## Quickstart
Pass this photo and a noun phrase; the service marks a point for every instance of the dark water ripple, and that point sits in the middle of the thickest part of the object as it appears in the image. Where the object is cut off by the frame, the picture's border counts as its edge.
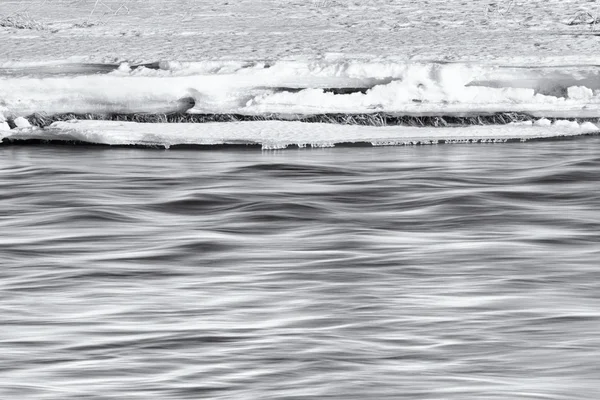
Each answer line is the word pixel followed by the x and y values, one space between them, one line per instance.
pixel 436 272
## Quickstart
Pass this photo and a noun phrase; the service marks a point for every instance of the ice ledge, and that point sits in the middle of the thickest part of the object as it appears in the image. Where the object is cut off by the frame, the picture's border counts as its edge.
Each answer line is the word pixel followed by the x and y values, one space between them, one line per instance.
pixel 281 134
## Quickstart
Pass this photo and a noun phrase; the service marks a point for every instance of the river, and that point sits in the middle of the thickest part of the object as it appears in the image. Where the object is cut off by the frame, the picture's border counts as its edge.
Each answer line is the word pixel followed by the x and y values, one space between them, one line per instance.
pixel 467 271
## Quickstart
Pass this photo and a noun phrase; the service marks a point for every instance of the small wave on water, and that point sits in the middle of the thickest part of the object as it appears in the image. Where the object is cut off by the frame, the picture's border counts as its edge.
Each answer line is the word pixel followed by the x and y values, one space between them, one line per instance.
pixel 434 272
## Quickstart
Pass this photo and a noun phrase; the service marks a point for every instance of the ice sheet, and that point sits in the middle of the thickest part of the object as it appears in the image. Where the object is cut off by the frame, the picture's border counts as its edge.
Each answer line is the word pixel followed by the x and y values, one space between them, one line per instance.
pixel 281 134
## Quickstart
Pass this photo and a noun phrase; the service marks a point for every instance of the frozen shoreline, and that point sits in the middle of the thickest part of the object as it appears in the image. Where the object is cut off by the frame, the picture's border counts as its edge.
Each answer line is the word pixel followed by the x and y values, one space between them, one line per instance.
pixel 299 59
pixel 297 90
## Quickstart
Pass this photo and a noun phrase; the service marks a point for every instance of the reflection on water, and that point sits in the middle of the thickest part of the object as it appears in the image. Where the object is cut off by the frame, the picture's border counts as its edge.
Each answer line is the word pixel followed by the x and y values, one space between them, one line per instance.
pixel 435 272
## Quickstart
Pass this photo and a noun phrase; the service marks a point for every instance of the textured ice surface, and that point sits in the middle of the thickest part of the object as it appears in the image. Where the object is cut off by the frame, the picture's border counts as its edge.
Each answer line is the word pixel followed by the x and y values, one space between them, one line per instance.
pixel 184 30
pixel 280 134
pixel 329 85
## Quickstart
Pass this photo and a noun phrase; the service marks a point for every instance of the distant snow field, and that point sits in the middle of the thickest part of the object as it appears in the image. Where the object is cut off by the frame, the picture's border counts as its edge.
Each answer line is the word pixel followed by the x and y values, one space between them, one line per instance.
pixel 150 30
pixel 256 58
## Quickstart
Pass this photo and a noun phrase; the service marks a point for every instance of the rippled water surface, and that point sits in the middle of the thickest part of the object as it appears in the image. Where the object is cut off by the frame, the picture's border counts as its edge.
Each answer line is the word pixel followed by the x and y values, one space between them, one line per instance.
pixel 434 272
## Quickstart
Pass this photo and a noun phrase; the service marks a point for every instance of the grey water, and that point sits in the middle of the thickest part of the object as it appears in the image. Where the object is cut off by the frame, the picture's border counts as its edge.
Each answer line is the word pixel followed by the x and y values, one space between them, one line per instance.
pixel 424 272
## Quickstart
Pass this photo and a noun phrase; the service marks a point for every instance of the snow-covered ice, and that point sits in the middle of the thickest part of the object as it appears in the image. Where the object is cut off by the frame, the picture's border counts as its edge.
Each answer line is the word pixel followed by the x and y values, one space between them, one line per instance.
pixel 329 85
pixel 280 134
pixel 499 32
pixel 260 57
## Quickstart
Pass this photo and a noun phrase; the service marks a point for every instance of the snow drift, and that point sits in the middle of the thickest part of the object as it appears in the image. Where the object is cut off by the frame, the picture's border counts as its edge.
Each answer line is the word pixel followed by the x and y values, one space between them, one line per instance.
pixel 302 87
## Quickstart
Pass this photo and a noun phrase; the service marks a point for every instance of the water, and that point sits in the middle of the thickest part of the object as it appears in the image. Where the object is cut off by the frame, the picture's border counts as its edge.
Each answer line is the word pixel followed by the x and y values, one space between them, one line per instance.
pixel 426 272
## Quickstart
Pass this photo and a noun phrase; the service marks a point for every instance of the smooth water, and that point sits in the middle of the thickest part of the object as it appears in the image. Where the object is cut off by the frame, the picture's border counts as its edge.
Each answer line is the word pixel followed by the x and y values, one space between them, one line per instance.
pixel 426 272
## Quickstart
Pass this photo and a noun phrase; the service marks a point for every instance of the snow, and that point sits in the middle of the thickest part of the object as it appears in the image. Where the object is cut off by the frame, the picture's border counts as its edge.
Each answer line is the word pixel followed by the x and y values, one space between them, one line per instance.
pixel 543 122
pixel 304 87
pixel 280 134
pixel 264 57
pixel 184 30
pixel 580 93
pixel 21 122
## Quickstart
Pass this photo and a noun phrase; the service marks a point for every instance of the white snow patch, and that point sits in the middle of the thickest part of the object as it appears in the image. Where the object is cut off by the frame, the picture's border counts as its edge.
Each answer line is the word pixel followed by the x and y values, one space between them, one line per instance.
pixel 124 68
pixel 580 93
pixel 589 126
pixel 543 122
pixel 566 124
pixel 21 122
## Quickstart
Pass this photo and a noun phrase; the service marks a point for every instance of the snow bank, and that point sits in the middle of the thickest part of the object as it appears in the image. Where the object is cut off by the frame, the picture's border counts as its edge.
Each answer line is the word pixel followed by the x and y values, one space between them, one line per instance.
pixel 280 134
pixel 307 87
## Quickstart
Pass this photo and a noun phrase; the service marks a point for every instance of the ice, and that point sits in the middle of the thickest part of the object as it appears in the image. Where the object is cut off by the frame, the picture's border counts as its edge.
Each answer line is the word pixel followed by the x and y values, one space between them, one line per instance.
pixel 280 134
pixel 327 85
